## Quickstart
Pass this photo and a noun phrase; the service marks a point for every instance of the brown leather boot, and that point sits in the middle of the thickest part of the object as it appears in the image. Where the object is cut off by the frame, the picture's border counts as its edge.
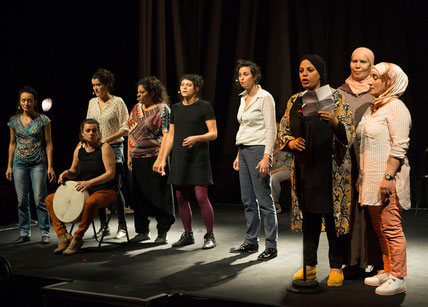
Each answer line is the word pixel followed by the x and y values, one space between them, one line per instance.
pixel 63 242
pixel 74 246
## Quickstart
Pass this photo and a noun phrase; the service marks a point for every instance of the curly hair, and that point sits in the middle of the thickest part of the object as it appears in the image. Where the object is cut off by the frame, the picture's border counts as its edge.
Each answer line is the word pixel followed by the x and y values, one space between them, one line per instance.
pixel 155 89
pixel 254 68
pixel 197 80
pixel 106 77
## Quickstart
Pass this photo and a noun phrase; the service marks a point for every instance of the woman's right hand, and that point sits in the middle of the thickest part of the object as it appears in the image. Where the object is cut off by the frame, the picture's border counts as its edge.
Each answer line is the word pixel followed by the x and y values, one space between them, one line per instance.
pixel 62 177
pixel 9 173
pixel 358 183
pixel 236 163
pixel 297 144
pixel 130 165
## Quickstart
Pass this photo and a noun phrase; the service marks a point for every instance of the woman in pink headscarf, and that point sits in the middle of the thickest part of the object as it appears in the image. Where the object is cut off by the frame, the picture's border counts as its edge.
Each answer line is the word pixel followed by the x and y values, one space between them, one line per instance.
pixel 356 87
pixel 383 134
pixel 364 247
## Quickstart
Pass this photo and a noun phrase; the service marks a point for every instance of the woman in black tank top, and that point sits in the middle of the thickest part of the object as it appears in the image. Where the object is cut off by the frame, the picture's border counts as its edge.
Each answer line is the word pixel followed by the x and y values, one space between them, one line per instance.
pixel 94 169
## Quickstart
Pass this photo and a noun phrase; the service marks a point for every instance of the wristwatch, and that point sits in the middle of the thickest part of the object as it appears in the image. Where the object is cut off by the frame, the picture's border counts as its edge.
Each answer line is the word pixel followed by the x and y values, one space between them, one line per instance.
pixel 388 177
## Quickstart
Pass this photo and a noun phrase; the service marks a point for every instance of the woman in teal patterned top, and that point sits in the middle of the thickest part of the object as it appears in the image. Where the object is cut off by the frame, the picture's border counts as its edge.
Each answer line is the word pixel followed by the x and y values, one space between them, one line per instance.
pixel 29 162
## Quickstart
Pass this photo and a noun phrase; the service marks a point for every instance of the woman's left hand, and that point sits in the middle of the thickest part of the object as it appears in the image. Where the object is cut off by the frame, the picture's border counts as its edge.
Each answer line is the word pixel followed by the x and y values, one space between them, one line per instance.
pixel 263 167
pixel 329 118
pixel 385 190
pixel 83 185
pixel 51 175
pixel 190 141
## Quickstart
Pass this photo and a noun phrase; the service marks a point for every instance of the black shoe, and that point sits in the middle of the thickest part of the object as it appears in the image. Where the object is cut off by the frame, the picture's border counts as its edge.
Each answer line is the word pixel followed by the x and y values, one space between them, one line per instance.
pixel 45 240
pixel 245 248
pixel 353 272
pixel 22 239
pixel 144 236
pixel 161 239
pixel 268 253
pixel 209 241
pixel 185 239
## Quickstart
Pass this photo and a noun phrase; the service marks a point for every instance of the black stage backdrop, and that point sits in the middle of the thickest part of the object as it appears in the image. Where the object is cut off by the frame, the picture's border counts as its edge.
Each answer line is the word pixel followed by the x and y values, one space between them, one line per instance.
pixel 56 46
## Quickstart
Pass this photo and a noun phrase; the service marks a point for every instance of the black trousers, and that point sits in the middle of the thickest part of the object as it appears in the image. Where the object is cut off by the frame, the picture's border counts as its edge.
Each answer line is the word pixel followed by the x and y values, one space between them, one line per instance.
pixel 120 206
pixel 141 218
pixel 152 197
pixel 312 223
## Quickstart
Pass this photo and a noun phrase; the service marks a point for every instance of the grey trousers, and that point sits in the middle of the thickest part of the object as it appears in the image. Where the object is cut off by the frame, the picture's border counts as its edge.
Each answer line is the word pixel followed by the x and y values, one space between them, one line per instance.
pixel 256 197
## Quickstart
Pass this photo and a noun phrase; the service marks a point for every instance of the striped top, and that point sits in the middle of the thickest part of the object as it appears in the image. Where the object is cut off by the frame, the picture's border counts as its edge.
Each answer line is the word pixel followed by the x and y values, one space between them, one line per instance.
pixel 382 134
pixel 146 130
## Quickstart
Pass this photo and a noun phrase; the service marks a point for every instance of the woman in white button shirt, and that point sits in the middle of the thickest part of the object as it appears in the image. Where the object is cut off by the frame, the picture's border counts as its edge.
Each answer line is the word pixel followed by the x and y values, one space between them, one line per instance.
pixel 384 186
pixel 112 114
pixel 256 139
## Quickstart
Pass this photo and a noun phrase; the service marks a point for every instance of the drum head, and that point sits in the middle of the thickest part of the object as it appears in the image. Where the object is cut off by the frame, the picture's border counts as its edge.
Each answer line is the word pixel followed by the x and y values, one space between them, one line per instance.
pixel 68 202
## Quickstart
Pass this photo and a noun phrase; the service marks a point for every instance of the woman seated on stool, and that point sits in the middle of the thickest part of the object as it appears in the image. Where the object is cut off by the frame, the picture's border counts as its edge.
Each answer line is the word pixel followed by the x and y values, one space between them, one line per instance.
pixel 94 167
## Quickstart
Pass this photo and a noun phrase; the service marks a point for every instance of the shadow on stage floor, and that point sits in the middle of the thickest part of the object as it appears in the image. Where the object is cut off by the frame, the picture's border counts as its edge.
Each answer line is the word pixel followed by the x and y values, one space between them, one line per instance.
pixel 137 274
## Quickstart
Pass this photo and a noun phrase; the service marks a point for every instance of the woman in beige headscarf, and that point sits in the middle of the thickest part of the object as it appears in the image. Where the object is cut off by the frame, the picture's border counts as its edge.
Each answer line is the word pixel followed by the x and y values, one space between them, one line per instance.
pixel 364 247
pixel 383 134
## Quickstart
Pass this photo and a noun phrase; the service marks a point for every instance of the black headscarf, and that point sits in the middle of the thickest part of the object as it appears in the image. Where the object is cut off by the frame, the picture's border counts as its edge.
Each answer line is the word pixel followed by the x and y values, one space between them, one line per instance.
pixel 319 65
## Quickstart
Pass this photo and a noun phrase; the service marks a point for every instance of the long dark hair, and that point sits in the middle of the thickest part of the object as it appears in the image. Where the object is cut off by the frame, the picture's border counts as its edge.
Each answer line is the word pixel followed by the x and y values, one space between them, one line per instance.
pixel 155 89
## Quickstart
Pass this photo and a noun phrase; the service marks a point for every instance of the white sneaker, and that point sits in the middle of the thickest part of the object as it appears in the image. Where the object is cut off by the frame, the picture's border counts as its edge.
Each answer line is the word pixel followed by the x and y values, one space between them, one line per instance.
pixel 377 279
pixel 391 286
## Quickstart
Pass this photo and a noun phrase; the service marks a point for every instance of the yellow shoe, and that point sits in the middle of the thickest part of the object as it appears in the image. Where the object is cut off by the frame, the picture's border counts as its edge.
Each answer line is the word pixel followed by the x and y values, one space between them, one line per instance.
pixel 335 279
pixel 310 274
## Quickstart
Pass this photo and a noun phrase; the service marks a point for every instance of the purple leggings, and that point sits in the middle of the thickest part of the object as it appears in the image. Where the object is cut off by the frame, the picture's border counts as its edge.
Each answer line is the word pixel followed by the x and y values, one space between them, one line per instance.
pixel 201 193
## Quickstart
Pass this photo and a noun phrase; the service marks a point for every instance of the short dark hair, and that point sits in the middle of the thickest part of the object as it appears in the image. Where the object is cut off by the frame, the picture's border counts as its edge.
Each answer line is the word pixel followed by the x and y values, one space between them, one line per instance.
pixel 89 121
pixel 106 77
pixel 154 87
pixel 197 80
pixel 254 68
pixel 29 90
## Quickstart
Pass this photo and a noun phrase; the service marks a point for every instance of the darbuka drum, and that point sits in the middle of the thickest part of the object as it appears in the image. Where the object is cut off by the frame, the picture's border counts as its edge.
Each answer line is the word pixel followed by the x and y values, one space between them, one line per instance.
pixel 68 202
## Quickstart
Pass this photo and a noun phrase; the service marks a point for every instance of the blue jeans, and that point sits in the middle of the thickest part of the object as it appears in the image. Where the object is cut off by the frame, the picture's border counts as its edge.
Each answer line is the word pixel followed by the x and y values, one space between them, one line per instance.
pixel 256 196
pixel 23 173
pixel 118 152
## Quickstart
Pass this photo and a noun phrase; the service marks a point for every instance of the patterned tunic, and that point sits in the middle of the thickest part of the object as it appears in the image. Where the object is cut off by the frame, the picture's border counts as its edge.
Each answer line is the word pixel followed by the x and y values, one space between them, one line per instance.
pixel 341 167
pixel 29 139
pixel 146 130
